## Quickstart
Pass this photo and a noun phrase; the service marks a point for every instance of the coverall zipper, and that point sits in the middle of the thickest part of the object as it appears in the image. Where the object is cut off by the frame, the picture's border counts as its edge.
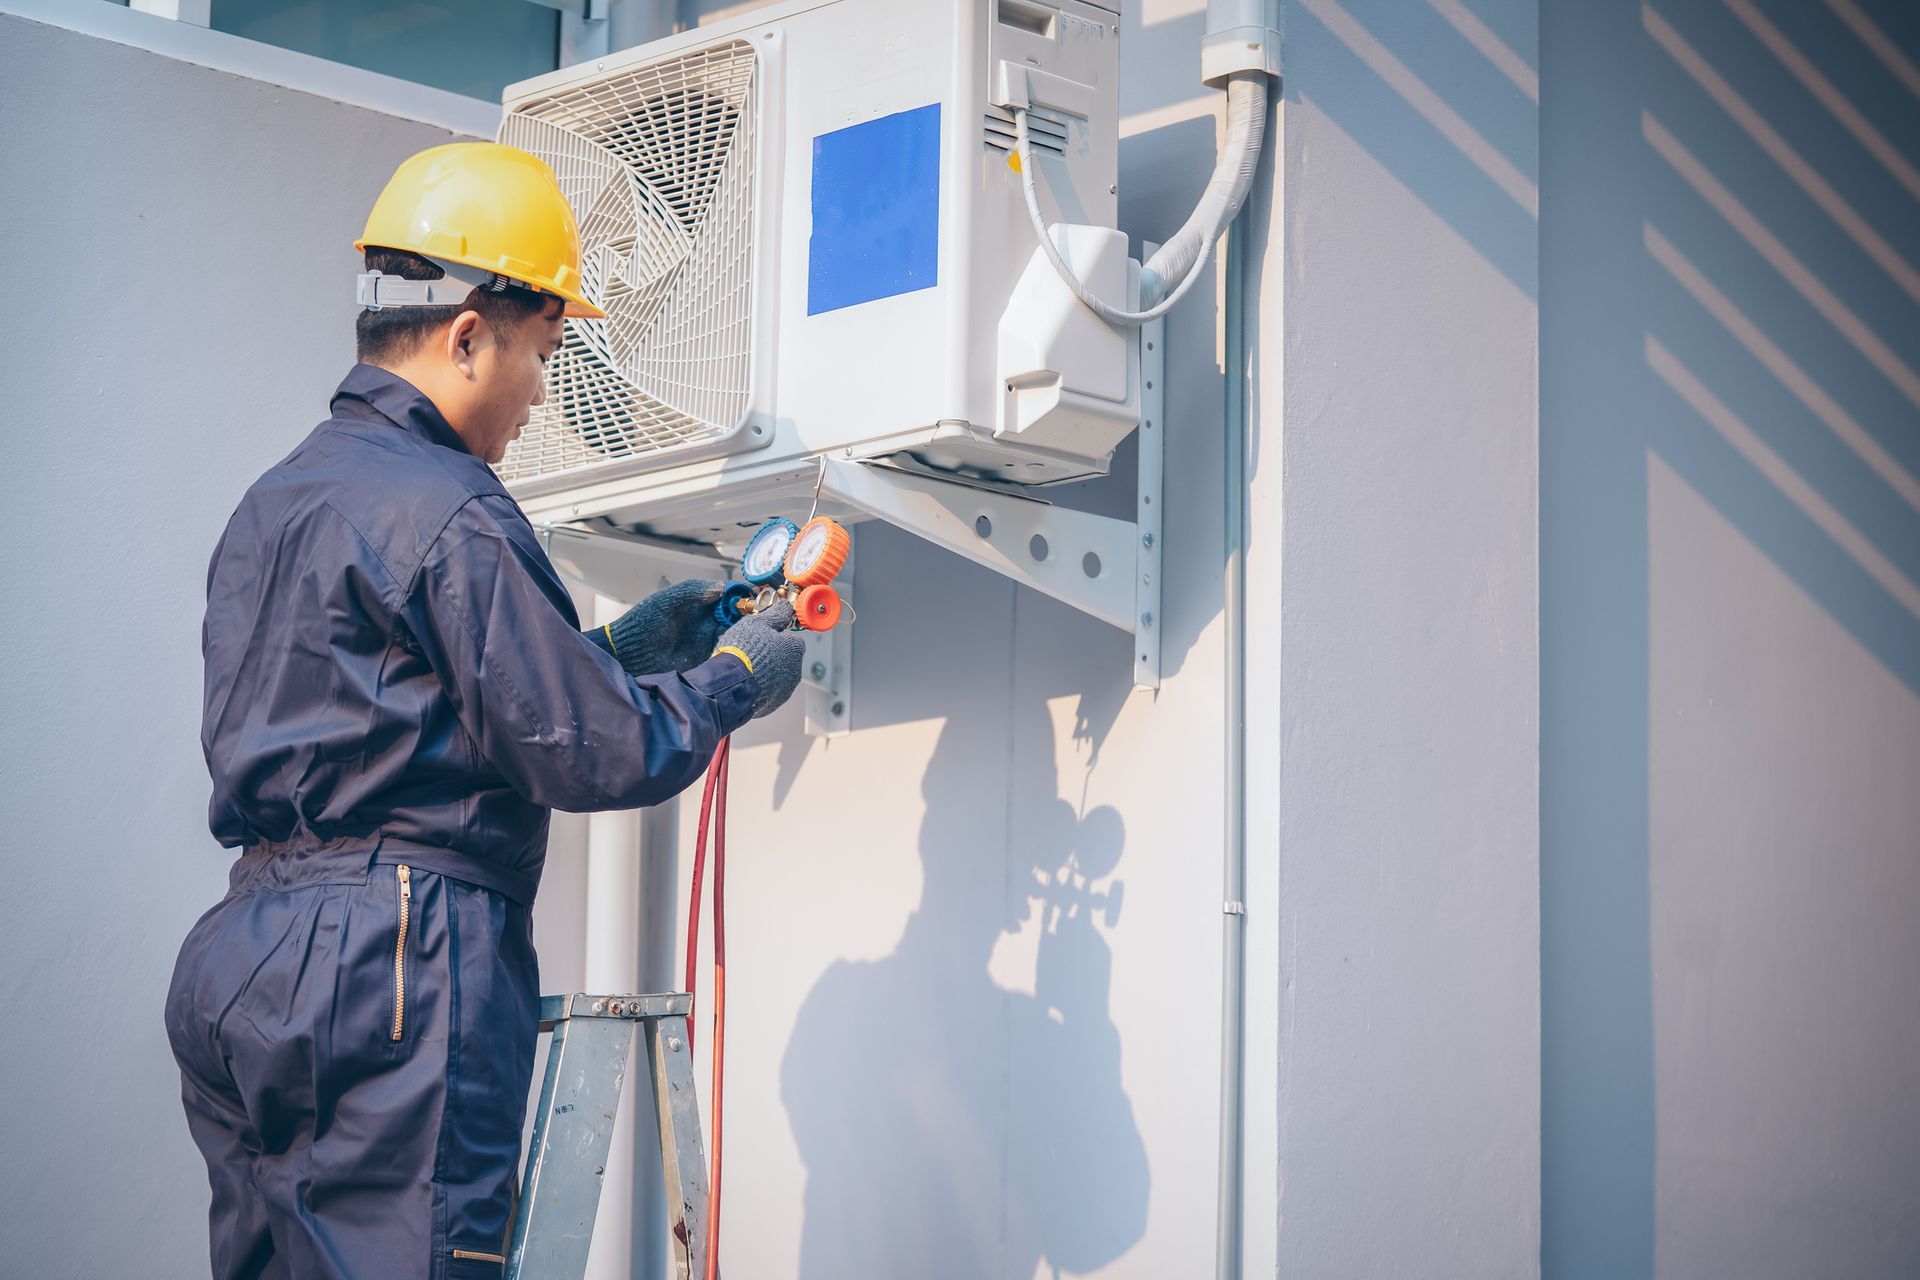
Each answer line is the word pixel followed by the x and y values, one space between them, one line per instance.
pixel 400 950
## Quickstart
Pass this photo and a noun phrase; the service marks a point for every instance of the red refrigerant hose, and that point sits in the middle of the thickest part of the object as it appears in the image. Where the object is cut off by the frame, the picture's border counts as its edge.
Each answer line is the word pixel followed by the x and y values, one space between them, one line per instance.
pixel 713 810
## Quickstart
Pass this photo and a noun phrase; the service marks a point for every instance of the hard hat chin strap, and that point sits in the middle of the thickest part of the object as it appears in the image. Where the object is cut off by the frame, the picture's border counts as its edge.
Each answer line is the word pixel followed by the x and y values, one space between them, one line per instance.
pixel 377 291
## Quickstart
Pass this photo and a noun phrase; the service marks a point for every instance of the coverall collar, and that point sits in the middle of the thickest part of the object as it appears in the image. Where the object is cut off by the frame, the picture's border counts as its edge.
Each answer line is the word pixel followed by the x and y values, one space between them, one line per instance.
pixel 400 402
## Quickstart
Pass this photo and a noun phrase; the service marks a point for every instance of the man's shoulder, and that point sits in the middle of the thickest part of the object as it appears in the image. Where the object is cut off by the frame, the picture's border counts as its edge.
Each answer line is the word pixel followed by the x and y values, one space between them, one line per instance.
pixel 396 491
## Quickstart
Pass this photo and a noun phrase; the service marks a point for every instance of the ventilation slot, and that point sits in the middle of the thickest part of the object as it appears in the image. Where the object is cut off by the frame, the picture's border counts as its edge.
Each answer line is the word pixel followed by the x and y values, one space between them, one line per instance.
pixel 658 166
pixel 1047 131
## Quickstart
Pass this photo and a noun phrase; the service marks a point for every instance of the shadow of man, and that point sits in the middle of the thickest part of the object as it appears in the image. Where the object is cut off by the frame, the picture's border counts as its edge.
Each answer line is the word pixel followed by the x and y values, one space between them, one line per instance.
pixel 951 1127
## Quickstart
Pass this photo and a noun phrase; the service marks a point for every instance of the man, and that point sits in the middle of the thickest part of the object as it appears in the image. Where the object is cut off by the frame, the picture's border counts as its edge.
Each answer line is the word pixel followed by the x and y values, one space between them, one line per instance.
pixel 397 694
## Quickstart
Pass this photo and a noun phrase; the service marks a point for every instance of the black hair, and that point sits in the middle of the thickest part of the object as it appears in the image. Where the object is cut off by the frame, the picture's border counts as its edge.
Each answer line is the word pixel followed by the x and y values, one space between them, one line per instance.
pixel 395 333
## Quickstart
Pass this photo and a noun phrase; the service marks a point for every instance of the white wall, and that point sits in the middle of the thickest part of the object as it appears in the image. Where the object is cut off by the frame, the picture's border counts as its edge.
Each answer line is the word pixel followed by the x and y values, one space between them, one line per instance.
pixel 934 1068
pixel 1408 702
pixel 1731 546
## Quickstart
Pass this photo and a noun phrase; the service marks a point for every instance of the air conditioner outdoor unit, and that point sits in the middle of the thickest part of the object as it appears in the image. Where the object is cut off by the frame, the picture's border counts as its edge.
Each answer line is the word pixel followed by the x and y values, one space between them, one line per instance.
pixel 860 256
pixel 807 228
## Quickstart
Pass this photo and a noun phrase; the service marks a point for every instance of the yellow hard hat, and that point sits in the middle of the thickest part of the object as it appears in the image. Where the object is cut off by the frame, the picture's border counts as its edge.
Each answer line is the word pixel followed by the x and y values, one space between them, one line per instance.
pixel 479 210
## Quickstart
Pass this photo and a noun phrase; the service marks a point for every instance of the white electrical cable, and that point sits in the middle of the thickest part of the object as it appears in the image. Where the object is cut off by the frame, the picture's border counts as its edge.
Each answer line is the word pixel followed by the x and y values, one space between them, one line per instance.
pixel 1182 260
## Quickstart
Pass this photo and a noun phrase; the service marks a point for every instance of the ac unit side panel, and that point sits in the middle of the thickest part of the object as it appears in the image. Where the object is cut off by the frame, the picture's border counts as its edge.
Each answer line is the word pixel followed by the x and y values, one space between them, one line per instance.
pixel 1070 79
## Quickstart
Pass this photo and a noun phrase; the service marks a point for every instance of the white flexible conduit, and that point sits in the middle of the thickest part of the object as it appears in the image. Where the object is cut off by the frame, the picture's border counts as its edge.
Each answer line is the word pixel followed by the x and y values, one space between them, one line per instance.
pixel 1182 260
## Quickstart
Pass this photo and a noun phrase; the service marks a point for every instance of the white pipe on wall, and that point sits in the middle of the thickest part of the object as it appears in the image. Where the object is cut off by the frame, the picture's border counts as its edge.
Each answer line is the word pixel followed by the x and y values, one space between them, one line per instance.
pixel 613 967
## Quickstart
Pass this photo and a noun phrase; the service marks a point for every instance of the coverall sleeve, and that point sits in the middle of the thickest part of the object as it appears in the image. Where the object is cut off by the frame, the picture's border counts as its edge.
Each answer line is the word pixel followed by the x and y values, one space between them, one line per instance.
pixel 551 711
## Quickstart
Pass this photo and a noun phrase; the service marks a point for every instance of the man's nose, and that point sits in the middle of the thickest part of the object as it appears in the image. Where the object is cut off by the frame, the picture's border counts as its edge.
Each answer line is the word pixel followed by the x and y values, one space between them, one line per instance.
pixel 540 390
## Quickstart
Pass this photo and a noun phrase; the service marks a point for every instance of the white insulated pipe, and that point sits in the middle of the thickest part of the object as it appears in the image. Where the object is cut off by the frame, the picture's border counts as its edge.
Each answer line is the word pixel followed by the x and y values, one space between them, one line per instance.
pixel 1184 255
pixel 613 968
pixel 1241 50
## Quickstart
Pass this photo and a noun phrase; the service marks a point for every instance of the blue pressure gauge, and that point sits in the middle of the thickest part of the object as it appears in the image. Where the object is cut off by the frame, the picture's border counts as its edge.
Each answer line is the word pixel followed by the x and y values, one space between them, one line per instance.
pixel 766 553
pixel 727 608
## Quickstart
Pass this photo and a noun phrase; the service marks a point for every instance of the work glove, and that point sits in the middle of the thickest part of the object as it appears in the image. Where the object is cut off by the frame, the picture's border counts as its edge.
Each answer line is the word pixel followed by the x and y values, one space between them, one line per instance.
pixel 773 652
pixel 673 629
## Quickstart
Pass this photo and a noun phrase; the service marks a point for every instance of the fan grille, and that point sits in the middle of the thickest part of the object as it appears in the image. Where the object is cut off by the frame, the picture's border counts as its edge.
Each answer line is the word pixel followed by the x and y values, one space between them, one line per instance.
pixel 658 164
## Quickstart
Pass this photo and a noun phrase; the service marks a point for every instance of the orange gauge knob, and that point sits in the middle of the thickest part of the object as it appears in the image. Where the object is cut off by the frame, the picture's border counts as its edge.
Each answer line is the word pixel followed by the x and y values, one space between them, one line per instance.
pixel 819 608
pixel 818 552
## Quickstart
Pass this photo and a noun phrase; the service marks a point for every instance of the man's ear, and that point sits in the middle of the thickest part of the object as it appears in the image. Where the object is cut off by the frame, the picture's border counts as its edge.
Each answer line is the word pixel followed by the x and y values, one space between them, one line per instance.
pixel 465 337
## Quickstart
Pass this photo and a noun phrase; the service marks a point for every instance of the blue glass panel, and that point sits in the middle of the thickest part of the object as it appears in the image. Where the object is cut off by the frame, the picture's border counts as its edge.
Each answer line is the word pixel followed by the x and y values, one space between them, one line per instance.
pixel 475 47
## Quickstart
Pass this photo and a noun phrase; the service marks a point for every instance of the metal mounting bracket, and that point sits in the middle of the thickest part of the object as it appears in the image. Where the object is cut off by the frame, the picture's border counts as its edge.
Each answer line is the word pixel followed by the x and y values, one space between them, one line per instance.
pixel 1102 566
pixel 627 566
pixel 826 681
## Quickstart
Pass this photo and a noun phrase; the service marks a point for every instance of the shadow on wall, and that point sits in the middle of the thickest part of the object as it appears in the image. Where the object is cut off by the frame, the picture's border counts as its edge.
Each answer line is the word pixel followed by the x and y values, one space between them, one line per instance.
pixel 1730 295
pixel 977 1131
pixel 1727 203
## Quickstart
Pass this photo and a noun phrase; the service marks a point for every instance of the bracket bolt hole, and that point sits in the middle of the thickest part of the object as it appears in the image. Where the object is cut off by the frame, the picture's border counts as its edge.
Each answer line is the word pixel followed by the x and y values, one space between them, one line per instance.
pixel 1090 565
pixel 983 526
pixel 1037 547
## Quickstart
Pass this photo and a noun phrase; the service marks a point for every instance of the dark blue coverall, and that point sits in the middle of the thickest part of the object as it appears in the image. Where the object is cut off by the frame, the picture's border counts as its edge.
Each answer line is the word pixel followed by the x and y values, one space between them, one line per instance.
pixel 397 693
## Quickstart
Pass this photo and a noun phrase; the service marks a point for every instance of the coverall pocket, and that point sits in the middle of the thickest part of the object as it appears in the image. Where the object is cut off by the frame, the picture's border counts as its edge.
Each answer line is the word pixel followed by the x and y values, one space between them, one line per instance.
pixel 475 1263
pixel 403 887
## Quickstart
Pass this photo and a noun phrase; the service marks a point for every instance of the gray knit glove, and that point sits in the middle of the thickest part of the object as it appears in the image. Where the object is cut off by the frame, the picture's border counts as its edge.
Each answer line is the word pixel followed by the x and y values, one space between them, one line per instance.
pixel 774 653
pixel 673 629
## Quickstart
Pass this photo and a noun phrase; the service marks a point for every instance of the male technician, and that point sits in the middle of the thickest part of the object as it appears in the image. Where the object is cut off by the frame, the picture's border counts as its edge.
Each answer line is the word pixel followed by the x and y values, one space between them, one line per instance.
pixel 397 693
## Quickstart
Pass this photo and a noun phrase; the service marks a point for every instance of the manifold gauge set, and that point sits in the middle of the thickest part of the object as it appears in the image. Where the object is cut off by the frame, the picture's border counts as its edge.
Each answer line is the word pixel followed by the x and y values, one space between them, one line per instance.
pixel 795 563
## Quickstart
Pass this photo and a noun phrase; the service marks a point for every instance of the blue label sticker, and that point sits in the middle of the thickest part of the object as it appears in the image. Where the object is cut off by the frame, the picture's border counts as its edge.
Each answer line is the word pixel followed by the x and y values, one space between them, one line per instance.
pixel 876 210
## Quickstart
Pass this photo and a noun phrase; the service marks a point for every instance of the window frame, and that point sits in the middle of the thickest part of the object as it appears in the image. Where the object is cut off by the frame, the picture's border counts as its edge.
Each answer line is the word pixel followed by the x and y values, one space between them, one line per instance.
pixel 270 64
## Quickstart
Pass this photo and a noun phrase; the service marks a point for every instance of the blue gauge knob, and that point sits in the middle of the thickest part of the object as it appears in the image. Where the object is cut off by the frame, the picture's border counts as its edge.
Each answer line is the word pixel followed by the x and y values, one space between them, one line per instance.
pixel 766 553
pixel 727 609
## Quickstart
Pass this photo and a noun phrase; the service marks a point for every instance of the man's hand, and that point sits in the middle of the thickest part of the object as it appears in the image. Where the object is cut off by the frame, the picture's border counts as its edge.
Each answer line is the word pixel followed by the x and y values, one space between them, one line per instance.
pixel 673 629
pixel 773 653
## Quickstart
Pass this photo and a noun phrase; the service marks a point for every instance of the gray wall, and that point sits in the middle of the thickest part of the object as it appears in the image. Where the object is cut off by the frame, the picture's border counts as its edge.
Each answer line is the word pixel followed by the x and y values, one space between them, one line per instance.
pixel 179 312
pixel 1731 728
pixel 1407 640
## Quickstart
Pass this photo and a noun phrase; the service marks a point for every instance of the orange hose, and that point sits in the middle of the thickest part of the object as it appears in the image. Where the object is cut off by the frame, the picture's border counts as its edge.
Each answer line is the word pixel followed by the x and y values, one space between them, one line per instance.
pixel 719 1003
pixel 713 817
pixel 699 873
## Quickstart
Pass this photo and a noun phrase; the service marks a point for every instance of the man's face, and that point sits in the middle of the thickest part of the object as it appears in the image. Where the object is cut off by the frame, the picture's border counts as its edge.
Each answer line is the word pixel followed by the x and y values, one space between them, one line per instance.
pixel 510 377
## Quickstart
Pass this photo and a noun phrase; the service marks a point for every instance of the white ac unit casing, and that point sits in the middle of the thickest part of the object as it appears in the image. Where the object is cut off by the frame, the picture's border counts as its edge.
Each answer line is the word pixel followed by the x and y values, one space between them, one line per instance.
pixel 808 230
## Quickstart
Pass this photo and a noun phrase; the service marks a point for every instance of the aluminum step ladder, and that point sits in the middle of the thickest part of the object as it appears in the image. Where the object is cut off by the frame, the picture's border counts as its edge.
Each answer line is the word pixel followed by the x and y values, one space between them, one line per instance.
pixel 573 1131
